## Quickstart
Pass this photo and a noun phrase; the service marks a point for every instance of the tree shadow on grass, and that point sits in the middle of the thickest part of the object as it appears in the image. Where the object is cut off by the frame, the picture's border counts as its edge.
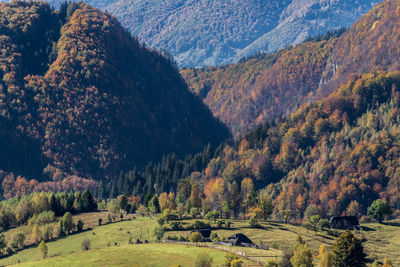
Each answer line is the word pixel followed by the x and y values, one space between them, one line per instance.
pixel 367 229
pixel 397 224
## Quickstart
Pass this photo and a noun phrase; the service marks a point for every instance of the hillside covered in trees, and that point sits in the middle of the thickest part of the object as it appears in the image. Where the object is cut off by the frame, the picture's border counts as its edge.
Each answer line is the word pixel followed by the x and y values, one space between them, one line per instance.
pixel 338 153
pixel 79 96
pixel 268 86
pixel 214 32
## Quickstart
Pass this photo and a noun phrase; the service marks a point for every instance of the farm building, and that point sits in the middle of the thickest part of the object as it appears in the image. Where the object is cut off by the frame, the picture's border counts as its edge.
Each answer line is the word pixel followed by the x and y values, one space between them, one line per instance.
pixel 344 222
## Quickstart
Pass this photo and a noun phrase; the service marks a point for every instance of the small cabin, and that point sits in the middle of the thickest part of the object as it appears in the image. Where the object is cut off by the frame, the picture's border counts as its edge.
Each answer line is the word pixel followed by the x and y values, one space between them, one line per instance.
pixel 240 240
pixel 345 223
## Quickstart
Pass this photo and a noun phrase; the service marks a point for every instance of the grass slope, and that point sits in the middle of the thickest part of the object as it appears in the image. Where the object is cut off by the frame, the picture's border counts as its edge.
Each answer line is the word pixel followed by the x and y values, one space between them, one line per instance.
pixel 135 255
pixel 380 240
pixel 104 235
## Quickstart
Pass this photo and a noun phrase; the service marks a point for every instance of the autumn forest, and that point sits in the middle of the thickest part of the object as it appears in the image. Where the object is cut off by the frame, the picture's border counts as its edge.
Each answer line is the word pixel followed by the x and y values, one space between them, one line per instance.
pixel 93 120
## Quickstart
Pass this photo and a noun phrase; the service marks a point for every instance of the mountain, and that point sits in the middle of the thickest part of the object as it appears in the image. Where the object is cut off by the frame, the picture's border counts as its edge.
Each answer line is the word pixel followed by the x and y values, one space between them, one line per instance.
pixel 80 96
pixel 338 153
pixel 257 90
pixel 268 86
pixel 214 32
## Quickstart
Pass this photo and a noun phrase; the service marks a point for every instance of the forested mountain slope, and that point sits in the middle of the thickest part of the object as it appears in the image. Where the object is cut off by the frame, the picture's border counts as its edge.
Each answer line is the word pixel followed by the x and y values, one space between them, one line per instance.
pixel 213 32
pixel 265 87
pixel 339 154
pixel 79 95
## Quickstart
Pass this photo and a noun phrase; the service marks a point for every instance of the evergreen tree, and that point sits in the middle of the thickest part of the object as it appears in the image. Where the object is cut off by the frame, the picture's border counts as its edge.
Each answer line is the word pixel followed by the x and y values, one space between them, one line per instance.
pixel 348 251
pixel 43 249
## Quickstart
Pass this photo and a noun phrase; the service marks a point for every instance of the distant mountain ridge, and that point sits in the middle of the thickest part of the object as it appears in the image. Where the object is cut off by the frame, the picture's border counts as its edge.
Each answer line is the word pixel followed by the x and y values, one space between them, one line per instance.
pixel 214 32
pixel 268 86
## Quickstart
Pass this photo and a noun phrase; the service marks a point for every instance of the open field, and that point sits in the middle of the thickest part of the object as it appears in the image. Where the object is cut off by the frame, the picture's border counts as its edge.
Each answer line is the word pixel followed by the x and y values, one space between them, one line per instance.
pixel 142 228
pixel 91 219
pixel 380 240
pixel 139 255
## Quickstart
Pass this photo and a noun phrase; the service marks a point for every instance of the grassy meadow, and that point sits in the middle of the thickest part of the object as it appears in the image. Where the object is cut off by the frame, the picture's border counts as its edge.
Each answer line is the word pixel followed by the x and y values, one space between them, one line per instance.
pixel 136 255
pixel 109 244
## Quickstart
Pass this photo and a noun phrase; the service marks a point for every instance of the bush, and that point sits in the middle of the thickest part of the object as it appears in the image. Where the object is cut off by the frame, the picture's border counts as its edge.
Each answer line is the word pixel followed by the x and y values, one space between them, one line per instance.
pixel 380 210
pixel 212 215
pixel 203 260
pixel 220 223
pixel 85 244
pixel 271 263
pixel 79 225
pixel 229 258
pixel 43 249
pixel 237 263
pixel 42 218
pixel 312 210
pixel 200 225
pixel 214 237
pixel 196 237
pixel 175 226
pixel 228 224
pixel 182 239
pixel 100 221
pixel 348 251
pixel 159 233
pixel 47 233
pixel 253 221
pixel 67 223
pixel 18 241
pixel 195 212
pixel 175 238
pixel 161 221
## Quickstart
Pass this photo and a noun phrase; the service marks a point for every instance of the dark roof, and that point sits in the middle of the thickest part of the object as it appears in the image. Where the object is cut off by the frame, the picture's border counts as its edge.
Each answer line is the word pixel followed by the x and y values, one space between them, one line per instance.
pixel 240 238
pixel 344 222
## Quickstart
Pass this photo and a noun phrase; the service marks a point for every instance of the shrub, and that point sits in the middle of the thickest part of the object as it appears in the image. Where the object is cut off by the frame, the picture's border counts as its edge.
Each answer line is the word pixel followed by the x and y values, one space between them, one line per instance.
pixel 42 218
pixel 237 263
pixel 142 210
pixel 348 251
pixel 3 243
pixel 195 212
pixel 302 256
pixel 36 234
pixel 47 233
pixel 43 249
pixel 379 210
pixel 79 225
pixel 18 241
pixel 228 224
pixel 67 222
pixel 85 244
pixel 253 221
pixel 271 263
pixel 175 238
pixel 214 237
pixel 212 215
pixel 182 239
pixel 196 237
pixel 220 223
pixel 229 258
pixel 161 221
pixel 113 206
pixel 200 225
pixel 159 233
pixel 203 260
pixel 100 221
pixel 175 226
